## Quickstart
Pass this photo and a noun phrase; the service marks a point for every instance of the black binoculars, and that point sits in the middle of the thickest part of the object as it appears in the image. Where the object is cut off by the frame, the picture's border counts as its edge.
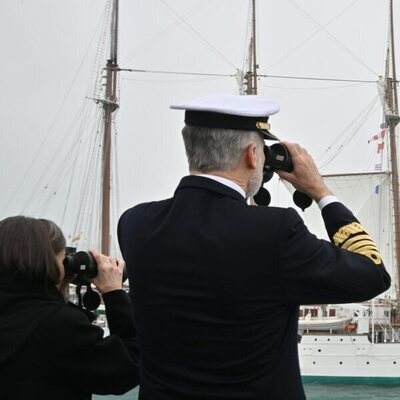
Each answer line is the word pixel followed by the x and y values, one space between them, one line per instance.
pixel 277 157
pixel 81 264
pixel 78 267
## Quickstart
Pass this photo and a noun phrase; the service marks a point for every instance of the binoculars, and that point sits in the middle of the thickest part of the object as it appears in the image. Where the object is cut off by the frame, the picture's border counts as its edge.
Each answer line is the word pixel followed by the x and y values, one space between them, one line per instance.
pixel 277 157
pixel 81 264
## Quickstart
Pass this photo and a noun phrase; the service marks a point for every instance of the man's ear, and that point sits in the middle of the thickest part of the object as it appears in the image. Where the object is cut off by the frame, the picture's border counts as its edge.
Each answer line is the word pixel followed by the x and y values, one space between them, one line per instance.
pixel 251 156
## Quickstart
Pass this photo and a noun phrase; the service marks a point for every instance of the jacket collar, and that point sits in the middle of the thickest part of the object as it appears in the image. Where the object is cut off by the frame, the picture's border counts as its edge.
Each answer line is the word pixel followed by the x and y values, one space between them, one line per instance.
pixel 201 182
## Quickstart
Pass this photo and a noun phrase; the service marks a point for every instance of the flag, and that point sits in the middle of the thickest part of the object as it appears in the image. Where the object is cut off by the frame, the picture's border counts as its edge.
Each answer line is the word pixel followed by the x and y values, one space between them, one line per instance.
pixel 375 137
pixel 378 136
pixel 377 187
pixel 380 147
pixel 384 127
pixel 378 167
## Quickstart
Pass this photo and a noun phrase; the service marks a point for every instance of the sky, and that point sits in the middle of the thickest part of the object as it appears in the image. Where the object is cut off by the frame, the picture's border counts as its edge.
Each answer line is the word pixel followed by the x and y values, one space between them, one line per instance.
pixel 50 50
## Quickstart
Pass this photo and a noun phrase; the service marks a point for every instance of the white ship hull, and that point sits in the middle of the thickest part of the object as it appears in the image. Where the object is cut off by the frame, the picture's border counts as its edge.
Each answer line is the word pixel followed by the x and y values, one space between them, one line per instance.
pixel 344 357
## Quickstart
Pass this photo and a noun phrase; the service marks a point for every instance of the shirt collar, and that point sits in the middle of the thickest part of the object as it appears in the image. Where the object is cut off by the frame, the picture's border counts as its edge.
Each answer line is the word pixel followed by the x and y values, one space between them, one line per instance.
pixel 225 182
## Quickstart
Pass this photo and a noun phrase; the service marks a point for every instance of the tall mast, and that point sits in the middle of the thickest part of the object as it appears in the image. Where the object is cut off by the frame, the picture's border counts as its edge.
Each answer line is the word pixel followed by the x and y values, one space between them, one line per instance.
pixel 110 104
pixel 250 77
pixel 391 110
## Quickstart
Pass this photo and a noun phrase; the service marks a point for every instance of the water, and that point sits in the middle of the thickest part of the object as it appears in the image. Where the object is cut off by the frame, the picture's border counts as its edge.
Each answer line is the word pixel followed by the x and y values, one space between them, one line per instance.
pixel 318 391
pixel 336 391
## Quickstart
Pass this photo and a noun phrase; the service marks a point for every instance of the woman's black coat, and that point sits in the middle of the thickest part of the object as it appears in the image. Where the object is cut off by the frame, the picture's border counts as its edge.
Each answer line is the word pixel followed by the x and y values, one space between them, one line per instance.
pixel 49 350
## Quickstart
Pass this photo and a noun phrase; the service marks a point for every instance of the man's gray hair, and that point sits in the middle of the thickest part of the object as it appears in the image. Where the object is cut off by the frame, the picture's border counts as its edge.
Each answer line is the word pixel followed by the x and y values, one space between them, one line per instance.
pixel 210 149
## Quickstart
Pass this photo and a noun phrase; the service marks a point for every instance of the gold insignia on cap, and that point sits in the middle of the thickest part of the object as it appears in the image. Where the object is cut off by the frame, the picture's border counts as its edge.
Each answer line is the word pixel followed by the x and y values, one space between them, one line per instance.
pixel 263 125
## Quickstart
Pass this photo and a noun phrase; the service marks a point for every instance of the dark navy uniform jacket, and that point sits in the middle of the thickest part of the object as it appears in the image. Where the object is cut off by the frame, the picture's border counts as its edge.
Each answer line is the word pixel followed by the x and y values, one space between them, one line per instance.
pixel 216 287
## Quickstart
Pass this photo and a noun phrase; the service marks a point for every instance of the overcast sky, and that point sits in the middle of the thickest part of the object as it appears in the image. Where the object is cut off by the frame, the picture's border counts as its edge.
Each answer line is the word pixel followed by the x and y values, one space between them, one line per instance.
pixel 49 52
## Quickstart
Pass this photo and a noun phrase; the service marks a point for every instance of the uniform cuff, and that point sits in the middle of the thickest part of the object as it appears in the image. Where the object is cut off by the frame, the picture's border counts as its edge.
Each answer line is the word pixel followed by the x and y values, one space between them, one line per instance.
pixel 327 200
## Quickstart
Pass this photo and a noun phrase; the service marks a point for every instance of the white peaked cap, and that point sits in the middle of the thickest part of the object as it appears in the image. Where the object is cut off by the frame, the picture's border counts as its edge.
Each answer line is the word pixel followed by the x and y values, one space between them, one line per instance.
pixel 231 112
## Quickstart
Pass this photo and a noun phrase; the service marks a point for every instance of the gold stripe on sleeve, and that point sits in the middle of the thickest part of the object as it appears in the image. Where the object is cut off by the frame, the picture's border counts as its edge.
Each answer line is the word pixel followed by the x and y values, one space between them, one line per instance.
pixel 352 237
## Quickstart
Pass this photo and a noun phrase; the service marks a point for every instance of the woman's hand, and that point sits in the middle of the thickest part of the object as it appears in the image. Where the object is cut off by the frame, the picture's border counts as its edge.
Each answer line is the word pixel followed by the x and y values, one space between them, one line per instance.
pixel 109 272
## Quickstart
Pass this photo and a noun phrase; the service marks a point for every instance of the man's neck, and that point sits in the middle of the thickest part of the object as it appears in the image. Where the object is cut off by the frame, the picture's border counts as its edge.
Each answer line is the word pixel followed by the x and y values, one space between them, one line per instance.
pixel 233 177
pixel 238 184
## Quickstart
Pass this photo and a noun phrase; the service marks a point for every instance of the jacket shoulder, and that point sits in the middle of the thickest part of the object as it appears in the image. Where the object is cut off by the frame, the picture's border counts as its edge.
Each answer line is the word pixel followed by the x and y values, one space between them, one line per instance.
pixel 142 209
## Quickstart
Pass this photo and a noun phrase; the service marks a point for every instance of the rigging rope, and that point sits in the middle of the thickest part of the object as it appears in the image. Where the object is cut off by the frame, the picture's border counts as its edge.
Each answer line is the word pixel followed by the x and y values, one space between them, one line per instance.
pixel 115 190
pixel 309 78
pixel 338 42
pixel 91 176
pixel 86 183
pixel 364 118
pixel 58 113
pixel 162 33
pixel 81 115
pixel 201 38
pixel 174 72
pixel 174 81
pixel 234 75
pixel 314 87
pixel 294 49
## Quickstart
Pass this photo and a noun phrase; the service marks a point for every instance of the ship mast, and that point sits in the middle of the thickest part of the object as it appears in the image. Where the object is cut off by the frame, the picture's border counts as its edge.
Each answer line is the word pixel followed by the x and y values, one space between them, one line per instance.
pixel 250 77
pixel 110 105
pixel 391 111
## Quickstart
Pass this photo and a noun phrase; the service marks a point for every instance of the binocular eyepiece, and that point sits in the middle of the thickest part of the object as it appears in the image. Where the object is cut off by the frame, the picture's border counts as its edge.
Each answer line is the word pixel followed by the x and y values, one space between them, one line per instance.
pixel 82 264
pixel 277 157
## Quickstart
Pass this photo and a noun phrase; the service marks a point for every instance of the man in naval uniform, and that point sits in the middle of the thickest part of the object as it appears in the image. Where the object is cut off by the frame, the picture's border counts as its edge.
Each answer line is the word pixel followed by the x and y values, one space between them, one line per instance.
pixel 216 283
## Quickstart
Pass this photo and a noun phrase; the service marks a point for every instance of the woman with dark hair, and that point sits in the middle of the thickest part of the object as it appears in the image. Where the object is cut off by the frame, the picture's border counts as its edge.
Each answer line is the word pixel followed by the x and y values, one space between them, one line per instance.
pixel 49 350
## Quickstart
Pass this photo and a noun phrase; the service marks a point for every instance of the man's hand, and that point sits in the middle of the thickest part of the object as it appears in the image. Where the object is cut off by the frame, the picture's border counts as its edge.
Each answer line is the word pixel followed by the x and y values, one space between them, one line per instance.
pixel 305 176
